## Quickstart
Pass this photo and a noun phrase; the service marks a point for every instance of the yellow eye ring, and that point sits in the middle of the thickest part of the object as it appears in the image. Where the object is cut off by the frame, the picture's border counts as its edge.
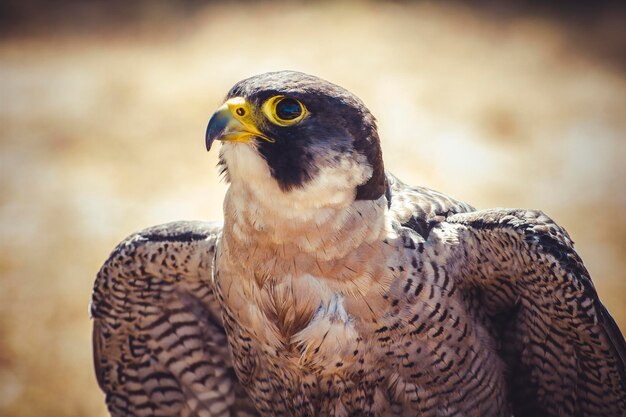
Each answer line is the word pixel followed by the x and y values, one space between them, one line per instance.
pixel 284 111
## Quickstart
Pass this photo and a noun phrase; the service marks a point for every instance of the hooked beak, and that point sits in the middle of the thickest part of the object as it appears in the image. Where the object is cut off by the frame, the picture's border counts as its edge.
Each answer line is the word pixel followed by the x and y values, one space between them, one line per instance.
pixel 225 125
pixel 221 125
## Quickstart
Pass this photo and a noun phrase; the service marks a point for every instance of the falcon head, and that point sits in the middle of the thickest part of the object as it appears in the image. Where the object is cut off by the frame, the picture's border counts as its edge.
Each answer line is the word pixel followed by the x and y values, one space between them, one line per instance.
pixel 297 136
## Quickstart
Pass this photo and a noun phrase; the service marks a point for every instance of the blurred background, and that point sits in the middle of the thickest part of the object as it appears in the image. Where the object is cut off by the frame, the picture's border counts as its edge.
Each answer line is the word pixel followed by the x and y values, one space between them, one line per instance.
pixel 103 107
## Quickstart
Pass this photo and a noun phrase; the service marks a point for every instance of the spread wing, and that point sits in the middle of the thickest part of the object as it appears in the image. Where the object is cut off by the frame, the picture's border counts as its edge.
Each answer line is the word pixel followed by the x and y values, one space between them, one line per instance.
pixel 158 342
pixel 565 354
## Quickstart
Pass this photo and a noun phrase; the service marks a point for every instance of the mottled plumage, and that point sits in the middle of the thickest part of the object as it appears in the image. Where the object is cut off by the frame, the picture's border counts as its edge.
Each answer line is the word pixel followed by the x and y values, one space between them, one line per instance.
pixel 159 345
pixel 341 291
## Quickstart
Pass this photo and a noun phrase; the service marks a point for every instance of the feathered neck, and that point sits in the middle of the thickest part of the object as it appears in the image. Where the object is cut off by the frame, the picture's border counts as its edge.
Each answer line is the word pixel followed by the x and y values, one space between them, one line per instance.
pixel 327 232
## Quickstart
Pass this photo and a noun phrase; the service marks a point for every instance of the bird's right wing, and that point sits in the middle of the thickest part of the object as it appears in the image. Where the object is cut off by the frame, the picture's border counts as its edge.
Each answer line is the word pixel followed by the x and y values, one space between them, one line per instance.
pixel 158 342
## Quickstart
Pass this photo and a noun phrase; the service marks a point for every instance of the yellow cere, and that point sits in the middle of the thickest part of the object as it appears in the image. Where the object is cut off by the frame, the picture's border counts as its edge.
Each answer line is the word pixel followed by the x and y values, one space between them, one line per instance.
pixel 241 110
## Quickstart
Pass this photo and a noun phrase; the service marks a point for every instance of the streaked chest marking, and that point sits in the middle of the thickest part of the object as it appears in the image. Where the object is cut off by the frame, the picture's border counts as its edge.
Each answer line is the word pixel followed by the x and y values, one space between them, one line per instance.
pixel 329 336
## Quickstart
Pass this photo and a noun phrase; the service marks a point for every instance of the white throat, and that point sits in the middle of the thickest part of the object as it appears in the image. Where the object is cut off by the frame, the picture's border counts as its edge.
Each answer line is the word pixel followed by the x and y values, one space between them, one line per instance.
pixel 321 217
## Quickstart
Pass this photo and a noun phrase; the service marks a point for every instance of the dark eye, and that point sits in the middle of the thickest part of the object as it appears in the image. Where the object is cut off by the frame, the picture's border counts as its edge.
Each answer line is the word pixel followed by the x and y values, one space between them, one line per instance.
pixel 288 109
pixel 284 111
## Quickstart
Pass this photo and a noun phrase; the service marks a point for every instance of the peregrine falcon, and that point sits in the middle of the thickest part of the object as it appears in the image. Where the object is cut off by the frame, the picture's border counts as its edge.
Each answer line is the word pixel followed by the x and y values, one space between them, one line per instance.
pixel 334 289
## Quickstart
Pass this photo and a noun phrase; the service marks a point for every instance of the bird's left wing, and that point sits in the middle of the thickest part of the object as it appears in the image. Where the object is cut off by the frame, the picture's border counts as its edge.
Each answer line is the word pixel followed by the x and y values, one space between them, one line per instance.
pixel 420 208
pixel 564 353
pixel 158 342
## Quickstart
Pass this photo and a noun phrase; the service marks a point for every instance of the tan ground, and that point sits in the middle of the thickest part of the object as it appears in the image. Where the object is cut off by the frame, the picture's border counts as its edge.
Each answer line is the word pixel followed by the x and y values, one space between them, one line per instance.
pixel 101 134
